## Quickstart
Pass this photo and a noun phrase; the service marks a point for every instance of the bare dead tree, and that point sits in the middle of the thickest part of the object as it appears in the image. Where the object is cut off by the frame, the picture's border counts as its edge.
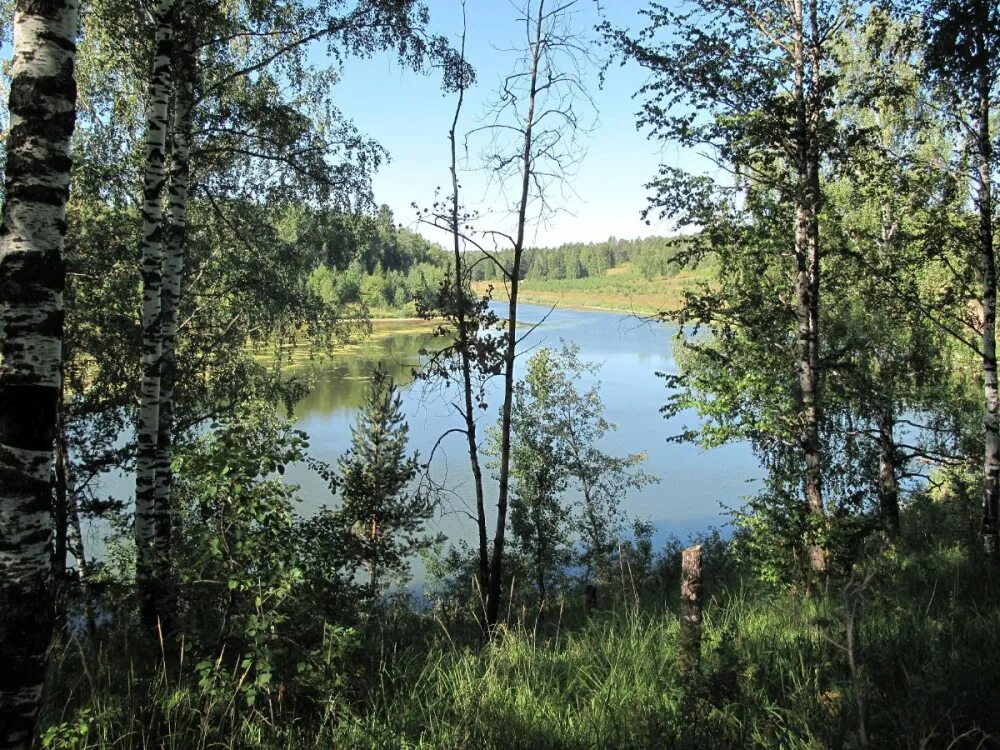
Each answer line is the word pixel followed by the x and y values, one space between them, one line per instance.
pixel 533 147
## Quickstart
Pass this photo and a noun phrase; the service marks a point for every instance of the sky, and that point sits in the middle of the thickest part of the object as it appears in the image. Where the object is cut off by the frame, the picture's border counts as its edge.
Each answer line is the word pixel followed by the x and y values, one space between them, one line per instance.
pixel 409 115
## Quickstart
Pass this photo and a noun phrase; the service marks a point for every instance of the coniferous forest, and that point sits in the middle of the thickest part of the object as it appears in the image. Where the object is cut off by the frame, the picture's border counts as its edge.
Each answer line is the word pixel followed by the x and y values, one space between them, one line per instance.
pixel 286 463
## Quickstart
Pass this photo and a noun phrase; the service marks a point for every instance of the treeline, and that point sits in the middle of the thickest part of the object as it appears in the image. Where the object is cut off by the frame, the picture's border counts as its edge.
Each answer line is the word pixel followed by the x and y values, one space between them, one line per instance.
pixel 649 257
pixel 369 260
pixel 848 331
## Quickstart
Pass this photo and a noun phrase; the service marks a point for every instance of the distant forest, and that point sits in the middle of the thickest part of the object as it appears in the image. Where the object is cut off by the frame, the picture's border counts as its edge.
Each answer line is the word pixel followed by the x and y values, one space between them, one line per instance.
pixel 373 261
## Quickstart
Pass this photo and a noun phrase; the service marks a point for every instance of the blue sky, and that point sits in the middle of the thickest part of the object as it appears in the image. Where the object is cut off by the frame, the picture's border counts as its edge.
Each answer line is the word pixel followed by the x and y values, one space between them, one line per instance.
pixel 409 115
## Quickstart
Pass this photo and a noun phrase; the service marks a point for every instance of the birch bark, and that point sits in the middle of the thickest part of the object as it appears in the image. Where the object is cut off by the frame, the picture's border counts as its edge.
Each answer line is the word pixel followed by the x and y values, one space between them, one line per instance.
pixel 170 292
pixel 991 421
pixel 32 274
pixel 150 579
pixel 806 54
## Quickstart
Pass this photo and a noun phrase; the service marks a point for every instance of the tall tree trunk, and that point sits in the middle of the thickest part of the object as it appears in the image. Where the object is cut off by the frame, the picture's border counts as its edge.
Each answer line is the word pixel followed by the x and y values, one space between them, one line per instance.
pixel 170 292
pixel 807 272
pixel 32 275
pixel 888 477
pixel 814 459
pixel 461 310
pixel 991 421
pixel 539 564
pixel 496 563
pixel 151 578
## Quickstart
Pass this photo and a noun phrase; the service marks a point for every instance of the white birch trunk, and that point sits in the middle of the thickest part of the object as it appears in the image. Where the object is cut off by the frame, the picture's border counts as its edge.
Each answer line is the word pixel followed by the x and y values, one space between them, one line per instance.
pixel 170 292
pixel 805 54
pixel 42 117
pixel 149 576
pixel 991 420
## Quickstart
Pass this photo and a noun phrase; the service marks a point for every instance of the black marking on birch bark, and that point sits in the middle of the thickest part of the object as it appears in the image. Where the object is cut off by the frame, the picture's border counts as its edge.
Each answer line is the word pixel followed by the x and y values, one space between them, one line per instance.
pixel 31 193
pixel 32 95
pixel 48 9
pixel 25 631
pixel 27 412
pixel 30 278
pixel 59 41
pixel 29 164
pixel 39 538
pixel 31 492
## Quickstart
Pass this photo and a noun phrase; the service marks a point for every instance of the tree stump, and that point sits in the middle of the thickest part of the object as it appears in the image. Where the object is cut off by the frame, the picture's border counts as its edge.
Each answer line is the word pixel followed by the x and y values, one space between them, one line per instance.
pixel 691 582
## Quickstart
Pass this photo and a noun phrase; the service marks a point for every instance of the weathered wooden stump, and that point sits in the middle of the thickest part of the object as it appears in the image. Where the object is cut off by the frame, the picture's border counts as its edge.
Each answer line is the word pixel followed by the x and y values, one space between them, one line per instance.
pixel 691 582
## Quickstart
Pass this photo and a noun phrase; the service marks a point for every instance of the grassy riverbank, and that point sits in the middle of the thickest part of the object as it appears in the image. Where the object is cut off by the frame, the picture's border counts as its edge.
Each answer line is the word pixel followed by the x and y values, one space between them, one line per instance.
pixel 620 289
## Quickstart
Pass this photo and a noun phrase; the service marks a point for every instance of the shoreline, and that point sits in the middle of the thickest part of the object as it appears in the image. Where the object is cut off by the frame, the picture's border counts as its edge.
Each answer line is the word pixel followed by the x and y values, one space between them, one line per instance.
pixel 648 304
pixel 381 327
pixel 649 313
pixel 594 308
pixel 559 305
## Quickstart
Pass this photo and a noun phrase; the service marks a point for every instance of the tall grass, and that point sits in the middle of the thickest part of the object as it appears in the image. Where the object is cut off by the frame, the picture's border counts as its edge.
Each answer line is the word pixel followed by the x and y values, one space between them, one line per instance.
pixel 774 673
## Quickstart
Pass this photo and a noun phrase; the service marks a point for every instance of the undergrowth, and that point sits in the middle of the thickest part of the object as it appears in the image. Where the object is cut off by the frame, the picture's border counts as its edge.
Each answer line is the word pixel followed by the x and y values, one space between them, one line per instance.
pixel 775 671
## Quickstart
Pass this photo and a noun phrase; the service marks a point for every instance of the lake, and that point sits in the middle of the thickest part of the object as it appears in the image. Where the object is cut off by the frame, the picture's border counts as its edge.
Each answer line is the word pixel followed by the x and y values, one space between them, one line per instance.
pixel 694 483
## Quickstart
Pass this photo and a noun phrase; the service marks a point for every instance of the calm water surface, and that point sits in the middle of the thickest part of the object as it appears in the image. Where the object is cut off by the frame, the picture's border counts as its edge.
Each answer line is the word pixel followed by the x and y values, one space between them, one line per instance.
pixel 694 484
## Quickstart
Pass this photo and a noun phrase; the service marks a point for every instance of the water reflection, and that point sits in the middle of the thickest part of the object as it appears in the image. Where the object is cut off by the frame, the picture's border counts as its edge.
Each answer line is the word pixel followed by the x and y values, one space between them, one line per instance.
pixel 695 486
pixel 339 383
pixel 695 483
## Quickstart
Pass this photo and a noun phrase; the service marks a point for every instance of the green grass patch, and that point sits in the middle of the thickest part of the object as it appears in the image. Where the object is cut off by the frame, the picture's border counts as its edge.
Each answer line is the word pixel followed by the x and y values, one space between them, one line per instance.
pixel 619 289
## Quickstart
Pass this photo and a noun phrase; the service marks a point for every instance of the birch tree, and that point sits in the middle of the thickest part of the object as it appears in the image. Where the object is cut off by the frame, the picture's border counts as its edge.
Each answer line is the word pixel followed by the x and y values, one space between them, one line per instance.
pixel 175 246
pixel 249 51
pixel 151 520
pixel 42 117
pixel 751 81
pixel 894 367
